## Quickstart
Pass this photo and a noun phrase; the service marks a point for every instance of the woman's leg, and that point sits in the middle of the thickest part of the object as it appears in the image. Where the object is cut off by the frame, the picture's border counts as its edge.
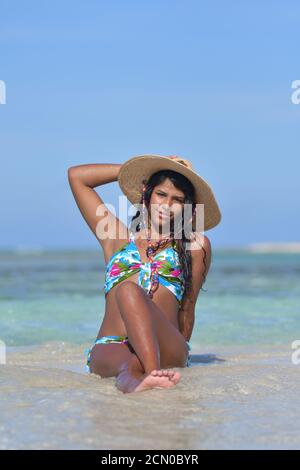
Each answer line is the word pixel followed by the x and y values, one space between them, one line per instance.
pixel 110 360
pixel 156 341
pixel 106 359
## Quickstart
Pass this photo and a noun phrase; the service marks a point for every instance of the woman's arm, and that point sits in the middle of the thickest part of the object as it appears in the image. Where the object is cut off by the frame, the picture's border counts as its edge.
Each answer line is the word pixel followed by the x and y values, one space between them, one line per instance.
pixel 186 317
pixel 95 174
pixel 82 180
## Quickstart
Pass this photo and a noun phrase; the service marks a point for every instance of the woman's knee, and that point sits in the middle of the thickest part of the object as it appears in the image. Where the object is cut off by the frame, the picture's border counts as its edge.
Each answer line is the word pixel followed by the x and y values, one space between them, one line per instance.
pixel 178 360
pixel 127 291
pixel 106 359
pixel 99 366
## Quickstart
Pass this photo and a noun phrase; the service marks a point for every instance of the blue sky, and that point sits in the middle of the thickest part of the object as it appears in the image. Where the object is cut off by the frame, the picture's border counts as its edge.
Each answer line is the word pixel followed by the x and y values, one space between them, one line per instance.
pixel 99 82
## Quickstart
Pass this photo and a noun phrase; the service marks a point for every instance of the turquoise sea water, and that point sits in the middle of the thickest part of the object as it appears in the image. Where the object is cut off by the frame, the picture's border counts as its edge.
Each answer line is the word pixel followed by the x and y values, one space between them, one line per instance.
pixel 58 295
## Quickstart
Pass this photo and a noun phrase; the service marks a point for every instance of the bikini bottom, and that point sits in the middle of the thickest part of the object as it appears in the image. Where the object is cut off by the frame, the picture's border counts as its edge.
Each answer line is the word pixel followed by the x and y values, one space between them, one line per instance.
pixel 124 340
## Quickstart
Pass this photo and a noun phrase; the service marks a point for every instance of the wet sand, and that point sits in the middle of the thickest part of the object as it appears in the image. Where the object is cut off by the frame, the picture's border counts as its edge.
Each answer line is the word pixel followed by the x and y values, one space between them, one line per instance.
pixel 230 398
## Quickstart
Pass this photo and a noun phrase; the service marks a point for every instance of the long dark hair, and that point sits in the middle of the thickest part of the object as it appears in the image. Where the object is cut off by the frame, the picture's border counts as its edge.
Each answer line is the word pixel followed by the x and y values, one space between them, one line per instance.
pixel 182 183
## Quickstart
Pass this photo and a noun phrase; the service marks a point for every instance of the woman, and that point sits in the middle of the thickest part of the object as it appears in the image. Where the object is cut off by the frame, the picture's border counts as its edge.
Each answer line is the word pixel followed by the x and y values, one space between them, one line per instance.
pixel 152 282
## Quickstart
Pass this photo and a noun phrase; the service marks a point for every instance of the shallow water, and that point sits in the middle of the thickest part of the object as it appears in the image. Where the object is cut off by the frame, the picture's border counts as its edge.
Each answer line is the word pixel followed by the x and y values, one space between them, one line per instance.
pixel 230 397
pixel 241 391
pixel 58 295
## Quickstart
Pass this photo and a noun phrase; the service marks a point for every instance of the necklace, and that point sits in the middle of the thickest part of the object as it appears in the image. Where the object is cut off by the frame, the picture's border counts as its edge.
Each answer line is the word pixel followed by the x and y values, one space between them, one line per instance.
pixel 154 268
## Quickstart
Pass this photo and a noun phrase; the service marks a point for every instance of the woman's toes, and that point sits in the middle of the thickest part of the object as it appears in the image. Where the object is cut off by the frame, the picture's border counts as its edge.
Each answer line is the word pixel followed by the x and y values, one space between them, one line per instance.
pixel 169 373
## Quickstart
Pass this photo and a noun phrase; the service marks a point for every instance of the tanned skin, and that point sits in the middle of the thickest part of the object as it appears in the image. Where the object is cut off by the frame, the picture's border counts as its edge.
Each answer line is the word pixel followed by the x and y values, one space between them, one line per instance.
pixel 157 328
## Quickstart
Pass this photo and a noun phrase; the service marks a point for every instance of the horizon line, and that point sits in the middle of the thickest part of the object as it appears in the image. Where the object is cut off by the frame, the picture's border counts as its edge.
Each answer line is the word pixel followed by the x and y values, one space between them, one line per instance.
pixel 258 247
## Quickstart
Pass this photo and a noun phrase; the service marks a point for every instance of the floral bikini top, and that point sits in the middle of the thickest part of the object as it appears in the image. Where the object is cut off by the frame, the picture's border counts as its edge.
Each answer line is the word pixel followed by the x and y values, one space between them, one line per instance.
pixel 127 261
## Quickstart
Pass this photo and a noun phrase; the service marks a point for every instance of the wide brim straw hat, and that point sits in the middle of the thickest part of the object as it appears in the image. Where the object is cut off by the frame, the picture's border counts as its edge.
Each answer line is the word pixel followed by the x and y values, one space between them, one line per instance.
pixel 140 167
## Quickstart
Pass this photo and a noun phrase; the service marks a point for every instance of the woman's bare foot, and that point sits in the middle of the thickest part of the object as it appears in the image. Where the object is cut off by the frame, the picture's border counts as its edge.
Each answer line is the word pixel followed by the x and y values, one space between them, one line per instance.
pixel 161 378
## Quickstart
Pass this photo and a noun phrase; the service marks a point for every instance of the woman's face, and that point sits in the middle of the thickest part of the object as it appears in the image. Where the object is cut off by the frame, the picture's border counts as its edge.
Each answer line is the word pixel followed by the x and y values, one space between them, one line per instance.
pixel 168 202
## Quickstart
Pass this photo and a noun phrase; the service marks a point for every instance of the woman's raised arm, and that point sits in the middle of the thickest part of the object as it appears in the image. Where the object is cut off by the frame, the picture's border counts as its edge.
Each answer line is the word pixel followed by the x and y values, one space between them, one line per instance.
pixel 95 174
pixel 83 179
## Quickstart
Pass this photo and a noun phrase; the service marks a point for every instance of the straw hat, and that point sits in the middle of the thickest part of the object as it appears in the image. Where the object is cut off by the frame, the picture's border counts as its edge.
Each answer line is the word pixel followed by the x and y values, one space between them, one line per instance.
pixel 134 170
